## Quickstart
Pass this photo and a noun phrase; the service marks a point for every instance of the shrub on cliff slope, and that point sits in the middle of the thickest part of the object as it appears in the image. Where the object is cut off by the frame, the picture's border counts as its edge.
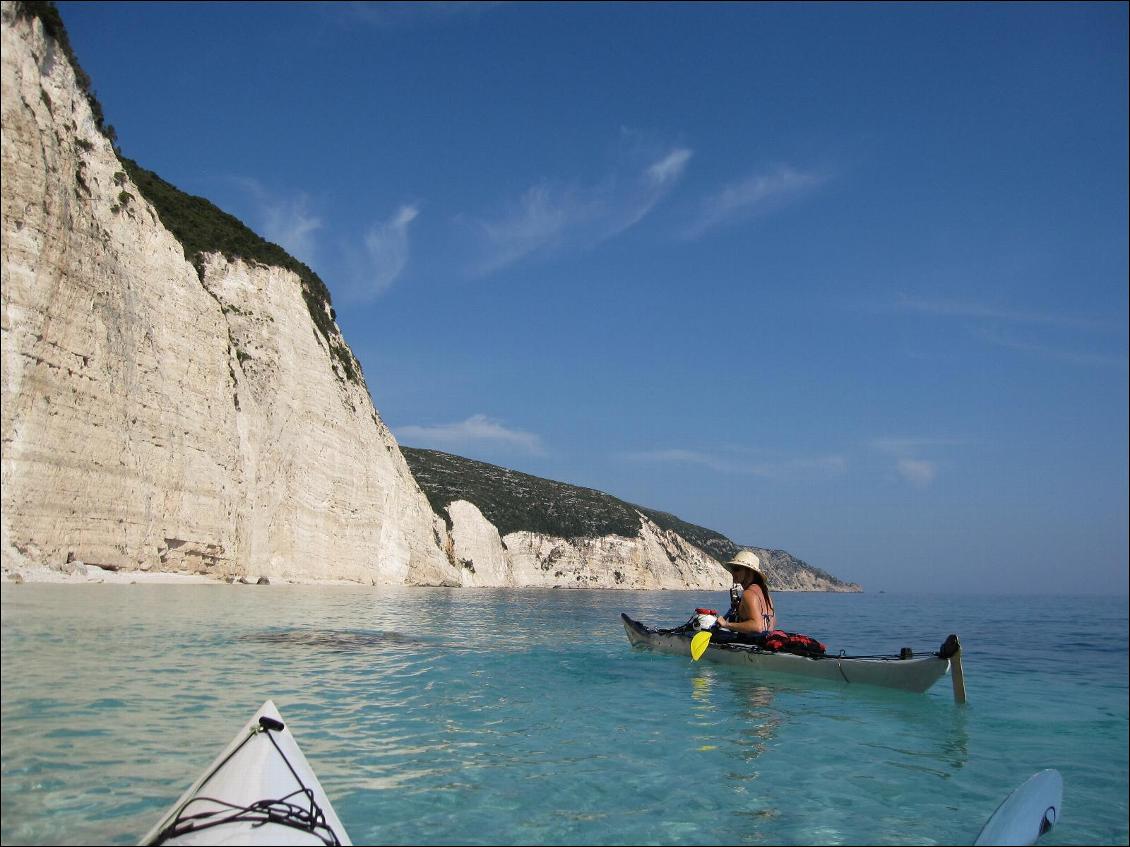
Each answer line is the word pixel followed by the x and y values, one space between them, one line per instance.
pixel 203 227
pixel 52 22
pixel 514 501
pixel 198 224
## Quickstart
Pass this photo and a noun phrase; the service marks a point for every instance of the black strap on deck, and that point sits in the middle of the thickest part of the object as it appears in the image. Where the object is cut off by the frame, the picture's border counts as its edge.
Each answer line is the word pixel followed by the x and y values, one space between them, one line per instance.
pixel 297 810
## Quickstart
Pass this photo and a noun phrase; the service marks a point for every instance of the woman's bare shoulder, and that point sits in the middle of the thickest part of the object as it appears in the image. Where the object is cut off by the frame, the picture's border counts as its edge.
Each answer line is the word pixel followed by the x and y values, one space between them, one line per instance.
pixel 751 597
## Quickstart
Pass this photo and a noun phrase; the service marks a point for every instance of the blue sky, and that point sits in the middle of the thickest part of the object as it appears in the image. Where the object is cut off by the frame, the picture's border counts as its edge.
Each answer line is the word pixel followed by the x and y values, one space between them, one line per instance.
pixel 849 281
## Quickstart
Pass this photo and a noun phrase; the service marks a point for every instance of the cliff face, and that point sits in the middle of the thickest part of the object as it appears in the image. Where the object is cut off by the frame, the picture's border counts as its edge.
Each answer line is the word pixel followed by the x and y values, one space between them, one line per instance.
pixel 510 528
pixel 655 558
pixel 788 573
pixel 158 416
pixel 203 414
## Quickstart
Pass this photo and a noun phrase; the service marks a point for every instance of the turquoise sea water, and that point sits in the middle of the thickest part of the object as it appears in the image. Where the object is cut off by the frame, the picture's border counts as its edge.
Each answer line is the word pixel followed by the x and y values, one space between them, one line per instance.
pixel 486 716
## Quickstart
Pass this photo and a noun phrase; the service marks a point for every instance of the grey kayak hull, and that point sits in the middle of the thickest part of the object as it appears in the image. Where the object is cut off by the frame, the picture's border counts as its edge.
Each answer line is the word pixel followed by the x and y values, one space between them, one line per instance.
pixel 916 675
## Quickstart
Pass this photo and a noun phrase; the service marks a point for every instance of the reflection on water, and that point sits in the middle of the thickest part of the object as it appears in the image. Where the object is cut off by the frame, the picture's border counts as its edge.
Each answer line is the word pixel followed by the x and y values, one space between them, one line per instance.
pixel 747 726
pixel 938 743
pixel 744 711
pixel 761 720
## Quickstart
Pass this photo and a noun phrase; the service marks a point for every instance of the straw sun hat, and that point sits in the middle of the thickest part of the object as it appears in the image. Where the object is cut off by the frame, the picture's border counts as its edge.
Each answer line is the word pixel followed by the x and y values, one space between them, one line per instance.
pixel 745 559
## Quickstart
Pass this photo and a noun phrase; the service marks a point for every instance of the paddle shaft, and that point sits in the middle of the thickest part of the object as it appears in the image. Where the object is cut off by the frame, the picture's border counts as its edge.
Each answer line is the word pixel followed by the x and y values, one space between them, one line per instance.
pixel 958 677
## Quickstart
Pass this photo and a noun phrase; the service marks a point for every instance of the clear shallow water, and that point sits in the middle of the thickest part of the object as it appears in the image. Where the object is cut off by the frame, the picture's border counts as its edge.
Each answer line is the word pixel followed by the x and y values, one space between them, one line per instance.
pixel 479 716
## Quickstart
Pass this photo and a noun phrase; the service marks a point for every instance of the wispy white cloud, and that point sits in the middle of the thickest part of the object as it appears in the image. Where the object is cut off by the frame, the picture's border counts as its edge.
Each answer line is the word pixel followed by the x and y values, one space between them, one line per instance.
pixel 990 312
pixel 286 220
pixel 386 249
pixel 756 194
pixel 905 446
pixel 475 430
pixel 920 472
pixel 539 220
pixel 670 167
pixel 554 215
pixel 906 453
pixel 832 465
pixel 1005 326
pixel 368 268
pixel 1062 354
pixel 691 457
pixel 648 190
pixel 829 465
pixel 397 15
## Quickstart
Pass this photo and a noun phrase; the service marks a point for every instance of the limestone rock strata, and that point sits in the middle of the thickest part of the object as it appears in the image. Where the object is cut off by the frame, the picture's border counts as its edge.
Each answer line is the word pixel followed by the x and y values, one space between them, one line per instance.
pixel 788 573
pixel 655 559
pixel 159 419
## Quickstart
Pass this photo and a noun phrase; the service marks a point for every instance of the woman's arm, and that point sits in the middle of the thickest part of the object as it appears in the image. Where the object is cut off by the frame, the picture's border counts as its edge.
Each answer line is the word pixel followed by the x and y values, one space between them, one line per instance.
pixel 751 610
pixel 742 626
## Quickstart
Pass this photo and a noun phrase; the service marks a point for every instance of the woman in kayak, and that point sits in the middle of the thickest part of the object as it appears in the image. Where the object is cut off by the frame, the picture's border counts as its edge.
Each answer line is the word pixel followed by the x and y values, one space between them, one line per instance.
pixel 751 610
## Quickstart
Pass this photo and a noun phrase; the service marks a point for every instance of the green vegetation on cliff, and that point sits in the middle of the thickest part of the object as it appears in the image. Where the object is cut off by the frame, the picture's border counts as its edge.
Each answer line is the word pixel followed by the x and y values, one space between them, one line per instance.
pixel 52 22
pixel 514 501
pixel 198 224
pixel 781 563
pixel 203 227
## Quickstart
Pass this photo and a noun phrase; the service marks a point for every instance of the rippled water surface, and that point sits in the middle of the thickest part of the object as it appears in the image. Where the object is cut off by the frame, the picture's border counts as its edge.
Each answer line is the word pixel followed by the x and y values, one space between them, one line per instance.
pixel 488 716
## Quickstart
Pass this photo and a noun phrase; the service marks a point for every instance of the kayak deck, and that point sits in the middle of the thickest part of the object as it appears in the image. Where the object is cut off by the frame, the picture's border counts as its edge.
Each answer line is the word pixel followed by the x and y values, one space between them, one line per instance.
pixel 914 674
pixel 1027 813
pixel 259 790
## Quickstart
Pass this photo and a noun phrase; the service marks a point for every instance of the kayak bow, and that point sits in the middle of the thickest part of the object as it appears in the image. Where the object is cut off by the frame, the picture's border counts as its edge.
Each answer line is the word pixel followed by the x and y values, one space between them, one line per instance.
pixel 1027 813
pixel 260 790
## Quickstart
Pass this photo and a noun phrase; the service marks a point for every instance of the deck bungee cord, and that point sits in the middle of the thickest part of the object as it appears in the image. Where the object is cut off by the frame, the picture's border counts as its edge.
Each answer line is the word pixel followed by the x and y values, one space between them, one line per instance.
pixel 307 817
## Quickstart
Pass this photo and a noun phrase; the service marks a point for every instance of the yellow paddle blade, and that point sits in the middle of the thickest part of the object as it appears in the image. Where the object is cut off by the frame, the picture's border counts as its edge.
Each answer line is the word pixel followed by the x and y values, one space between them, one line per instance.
pixel 699 644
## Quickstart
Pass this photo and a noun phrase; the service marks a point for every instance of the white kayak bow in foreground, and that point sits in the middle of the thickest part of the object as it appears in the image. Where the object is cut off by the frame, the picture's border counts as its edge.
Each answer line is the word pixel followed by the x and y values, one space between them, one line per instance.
pixel 1027 813
pixel 260 790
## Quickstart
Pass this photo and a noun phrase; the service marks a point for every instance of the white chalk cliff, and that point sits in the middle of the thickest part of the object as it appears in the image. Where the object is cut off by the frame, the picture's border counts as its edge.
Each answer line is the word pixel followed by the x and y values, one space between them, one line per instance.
pixel 157 419
pixel 656 558
pixel 165 415
pixel 511 528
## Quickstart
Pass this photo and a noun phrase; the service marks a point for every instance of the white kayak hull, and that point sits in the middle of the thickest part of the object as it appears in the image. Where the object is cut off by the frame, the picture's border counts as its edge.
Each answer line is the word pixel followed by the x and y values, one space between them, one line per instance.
pixel 252 773
pixel 915 674
pixel 1027 813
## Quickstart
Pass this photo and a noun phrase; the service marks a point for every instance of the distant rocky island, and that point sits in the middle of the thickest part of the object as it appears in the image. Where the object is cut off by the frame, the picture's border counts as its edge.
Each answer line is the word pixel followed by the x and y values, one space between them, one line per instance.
pixel 178 398
pixel 585 536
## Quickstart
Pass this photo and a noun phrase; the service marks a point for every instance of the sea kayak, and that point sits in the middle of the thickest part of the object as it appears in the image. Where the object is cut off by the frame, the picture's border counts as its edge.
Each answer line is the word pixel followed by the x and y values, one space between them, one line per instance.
pixel 1027 813
pixel 915 673
pixel 260 790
